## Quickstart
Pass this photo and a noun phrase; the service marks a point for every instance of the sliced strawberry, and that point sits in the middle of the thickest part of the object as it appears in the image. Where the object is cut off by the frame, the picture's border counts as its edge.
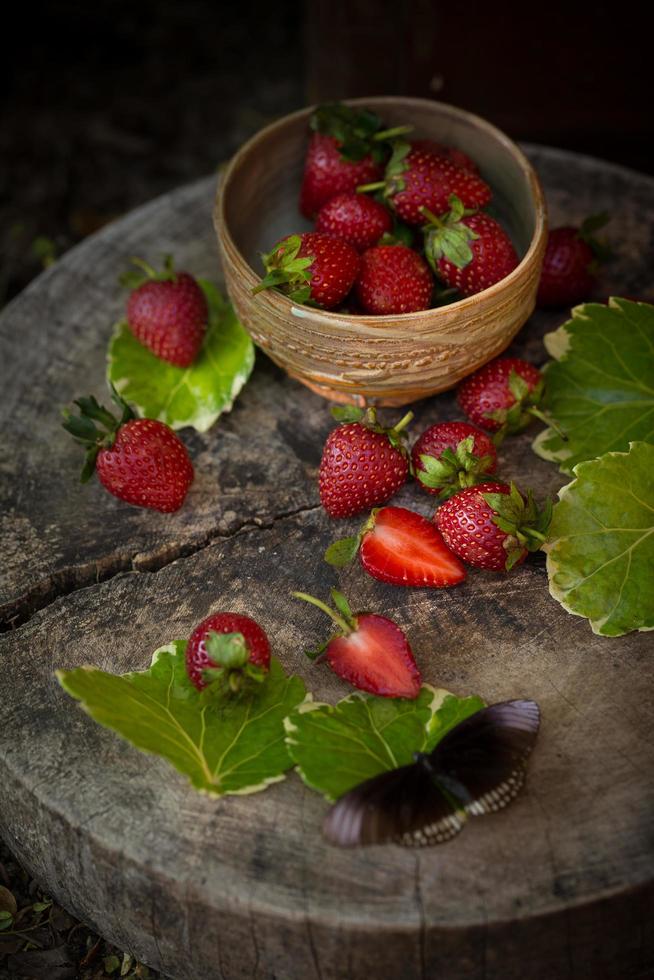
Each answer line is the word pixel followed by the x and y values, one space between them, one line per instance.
pixel 401 547
pixel 371 652
pixel 376 657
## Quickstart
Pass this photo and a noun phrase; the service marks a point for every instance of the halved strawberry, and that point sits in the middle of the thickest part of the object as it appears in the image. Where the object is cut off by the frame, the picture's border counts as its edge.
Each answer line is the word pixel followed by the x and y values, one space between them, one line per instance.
pixel 371 652
pixel 401 547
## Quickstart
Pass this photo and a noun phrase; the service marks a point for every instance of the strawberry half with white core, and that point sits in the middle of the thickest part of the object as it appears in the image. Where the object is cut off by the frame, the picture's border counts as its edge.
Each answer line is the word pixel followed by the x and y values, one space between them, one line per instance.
pixel 140 461
pixel 468 250
pixel 349 146
pixel 451 455
pixel 166 311
pixel 311 268
pixel 229 649
pixel 502 396
pixel 417 179
pixel 400 547
pixel 493 526
pixel 370 652
pixel 363 464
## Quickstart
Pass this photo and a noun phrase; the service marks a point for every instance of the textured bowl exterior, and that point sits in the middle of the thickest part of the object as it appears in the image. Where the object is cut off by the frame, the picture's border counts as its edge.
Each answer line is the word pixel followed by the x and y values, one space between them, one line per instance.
pixel 386 360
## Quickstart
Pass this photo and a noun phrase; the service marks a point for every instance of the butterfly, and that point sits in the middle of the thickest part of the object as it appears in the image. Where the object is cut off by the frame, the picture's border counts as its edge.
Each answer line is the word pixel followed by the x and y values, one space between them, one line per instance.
pixel 477 768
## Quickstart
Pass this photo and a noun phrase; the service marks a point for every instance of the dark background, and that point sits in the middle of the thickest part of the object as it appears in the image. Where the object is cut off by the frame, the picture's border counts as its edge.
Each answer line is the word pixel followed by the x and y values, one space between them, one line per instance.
pixel 105 105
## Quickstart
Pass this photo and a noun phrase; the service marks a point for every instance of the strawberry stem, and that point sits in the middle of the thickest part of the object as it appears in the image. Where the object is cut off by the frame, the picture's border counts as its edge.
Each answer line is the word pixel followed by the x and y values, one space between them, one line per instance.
pixel 536 412
pixel 387 134
pixel 431 217
pixel 325 608
pixel 376 186
pixel 404 421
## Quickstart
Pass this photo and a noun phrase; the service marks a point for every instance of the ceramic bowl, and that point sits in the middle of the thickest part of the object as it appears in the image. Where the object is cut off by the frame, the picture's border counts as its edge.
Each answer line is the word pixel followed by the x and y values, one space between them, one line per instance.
pixel 384 360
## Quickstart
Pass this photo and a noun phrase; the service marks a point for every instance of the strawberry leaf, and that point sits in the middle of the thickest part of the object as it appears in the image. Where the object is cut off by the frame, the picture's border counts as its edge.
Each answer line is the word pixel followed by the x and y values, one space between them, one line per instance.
pixel 342 552
pixel 600 546
pixel 234 744
pixel 599 386
pixel 373 734
pixel 195 395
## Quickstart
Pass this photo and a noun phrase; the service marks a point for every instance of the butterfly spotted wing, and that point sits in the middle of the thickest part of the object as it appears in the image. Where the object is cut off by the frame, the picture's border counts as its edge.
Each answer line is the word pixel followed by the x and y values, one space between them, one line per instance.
pixel 477 768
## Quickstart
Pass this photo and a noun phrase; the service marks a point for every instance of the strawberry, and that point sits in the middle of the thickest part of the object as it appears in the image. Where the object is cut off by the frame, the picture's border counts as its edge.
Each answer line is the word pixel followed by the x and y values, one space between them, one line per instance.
pixel 401 547
pixel 348 147
pixel 393 279
pixel 311 268
pixel 570 263
pixel 370 652
pixel 492 526
pixel 227 647
pixel 357 219
pixel 140 461
pixel 467 250
pixel 452 455
pixel 416 179
pixel 362 464
pixel 166 311
pixel 502 396
pixel 451 153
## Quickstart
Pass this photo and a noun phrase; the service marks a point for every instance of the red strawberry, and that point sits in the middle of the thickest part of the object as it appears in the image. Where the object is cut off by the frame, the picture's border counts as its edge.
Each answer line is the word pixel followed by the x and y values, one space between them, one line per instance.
pixel 348 148
pixel 312 268
pixel 363 464
pixel 401 547
pixel 166 311
pixel 327 173
pixel 393 279
pixel 371 652
pixel 140 461
pixel 492 526
pixel 451 153
pixel 502 395
pixel 468 251
pixel 451 455
pixel 357 219
pixel 417 179
pixel 570 264
pixel 227 647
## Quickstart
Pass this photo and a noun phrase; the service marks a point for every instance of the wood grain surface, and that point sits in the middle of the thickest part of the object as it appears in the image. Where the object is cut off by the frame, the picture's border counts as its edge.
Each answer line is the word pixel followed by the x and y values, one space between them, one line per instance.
pixel 558 887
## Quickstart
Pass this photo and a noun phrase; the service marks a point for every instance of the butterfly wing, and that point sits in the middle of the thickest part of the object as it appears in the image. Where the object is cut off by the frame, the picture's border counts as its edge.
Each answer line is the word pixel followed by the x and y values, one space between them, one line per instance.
pixel 477 768
pixel 482 761
pixel 404 806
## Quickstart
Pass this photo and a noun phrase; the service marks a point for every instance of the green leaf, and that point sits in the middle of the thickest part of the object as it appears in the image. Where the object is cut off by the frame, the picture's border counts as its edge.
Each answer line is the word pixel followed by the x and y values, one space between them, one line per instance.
pixel 340 553
pixel 347 413
pixel 235 745
pixel 338 747
pixel 193 396
pixel 600 547
pixel 599 387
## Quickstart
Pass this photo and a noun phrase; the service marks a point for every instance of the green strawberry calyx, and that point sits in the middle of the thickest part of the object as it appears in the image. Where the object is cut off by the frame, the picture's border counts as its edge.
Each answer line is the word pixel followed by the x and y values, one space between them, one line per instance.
pixel 523 523
pixel 601 250
pixel 95 427
pixel 359 132
pixel 447 236
pixel 144 272
pixel 454 469
pixel 342 552
pixel 368 418
pixel 286 272
pixel 517 416
pixel 396 167
pixel 231 658
pixel 342 615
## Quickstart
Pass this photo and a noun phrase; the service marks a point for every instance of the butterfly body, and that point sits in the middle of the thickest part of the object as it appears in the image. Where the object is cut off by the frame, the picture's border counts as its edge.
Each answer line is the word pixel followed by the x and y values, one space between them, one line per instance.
pixel 477 768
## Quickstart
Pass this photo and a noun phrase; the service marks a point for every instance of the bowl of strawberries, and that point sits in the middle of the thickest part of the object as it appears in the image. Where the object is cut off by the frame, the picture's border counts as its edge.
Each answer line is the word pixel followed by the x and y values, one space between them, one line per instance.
pixel 382 249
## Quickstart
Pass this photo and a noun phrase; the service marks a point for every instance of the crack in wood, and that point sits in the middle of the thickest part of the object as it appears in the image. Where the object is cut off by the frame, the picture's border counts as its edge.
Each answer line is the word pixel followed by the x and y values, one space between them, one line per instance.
pixel 71 579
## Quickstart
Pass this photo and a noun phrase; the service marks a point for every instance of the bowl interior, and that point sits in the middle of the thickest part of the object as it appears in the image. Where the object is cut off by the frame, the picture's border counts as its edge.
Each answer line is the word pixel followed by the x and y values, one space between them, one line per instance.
pixel 262 190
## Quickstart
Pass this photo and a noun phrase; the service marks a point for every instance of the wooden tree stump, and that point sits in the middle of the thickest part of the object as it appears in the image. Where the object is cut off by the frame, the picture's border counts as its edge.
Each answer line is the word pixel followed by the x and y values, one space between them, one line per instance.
pixel 560 885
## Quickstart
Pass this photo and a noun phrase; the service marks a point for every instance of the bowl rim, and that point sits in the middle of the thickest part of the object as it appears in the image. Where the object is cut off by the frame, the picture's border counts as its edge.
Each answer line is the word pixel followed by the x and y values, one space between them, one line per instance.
pixel 385 320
